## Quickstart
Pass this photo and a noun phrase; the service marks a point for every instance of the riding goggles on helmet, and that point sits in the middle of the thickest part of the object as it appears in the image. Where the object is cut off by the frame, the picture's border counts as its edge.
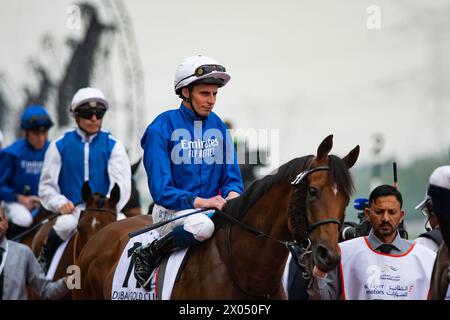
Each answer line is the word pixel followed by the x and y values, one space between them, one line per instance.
pixel 208 68
pixel 204 69
pixel 427 208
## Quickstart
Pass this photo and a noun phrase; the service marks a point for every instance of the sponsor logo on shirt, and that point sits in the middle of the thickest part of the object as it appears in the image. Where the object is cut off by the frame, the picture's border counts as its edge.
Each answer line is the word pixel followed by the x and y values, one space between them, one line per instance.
pixel 31 167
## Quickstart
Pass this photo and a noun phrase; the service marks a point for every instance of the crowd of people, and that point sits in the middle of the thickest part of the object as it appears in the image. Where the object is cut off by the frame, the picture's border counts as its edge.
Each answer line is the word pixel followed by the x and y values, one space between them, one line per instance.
pixel 191 164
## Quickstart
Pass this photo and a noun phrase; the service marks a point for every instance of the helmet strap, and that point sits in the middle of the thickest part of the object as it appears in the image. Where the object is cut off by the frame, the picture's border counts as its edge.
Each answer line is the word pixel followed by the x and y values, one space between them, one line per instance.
pixel 189 100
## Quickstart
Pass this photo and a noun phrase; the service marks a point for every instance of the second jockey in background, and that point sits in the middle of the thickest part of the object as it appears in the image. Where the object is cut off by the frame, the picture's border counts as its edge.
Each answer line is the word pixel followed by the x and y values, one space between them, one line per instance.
pixel 21 165
pixel 85 153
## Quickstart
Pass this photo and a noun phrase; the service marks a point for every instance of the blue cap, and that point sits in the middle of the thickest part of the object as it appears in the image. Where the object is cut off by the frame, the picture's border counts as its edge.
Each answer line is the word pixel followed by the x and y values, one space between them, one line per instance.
pixel 360 203
pixel 35 116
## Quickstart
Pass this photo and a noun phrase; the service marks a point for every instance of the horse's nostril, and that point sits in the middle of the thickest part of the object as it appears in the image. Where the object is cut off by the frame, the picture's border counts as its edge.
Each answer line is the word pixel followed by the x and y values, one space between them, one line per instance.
pixel 322 252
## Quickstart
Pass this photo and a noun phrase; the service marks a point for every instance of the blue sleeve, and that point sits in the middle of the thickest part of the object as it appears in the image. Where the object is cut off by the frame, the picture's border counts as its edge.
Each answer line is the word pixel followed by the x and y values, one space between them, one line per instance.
pixel 157 164
pixel 231 174
pixel 6 175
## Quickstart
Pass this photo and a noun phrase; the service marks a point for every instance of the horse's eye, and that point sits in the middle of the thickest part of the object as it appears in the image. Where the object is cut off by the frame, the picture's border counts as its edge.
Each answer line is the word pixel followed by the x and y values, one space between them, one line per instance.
pixel 313 192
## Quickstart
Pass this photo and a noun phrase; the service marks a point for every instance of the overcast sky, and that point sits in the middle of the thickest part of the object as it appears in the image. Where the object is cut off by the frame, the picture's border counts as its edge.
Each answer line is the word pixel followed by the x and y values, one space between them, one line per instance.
pixel 305 68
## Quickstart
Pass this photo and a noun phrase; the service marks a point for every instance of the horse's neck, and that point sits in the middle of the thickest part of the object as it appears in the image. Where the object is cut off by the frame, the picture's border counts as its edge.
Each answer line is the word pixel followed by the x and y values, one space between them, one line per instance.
pixel 259 262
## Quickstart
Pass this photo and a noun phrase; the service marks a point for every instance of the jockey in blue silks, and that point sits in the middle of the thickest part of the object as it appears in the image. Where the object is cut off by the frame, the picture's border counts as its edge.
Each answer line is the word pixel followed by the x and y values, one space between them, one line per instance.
pixel 190 161
pixel 21 165
pixel 85 153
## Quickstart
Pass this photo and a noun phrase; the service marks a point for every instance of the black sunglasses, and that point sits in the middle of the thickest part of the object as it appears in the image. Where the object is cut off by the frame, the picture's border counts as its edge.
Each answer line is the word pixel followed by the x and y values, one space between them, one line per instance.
pixel 88 113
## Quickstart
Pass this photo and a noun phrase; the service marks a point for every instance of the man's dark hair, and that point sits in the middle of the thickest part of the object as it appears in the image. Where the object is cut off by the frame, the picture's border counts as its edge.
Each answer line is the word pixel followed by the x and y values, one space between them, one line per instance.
pixel 383 191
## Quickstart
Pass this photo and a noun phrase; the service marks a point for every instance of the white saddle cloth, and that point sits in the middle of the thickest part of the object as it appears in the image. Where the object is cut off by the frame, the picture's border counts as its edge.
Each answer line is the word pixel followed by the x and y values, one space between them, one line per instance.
pixel 125 285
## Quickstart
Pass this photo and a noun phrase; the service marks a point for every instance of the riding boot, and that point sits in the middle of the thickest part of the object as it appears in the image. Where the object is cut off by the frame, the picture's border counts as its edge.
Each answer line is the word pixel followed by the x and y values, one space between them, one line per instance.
pixel 147 257
pixel 49 248
pixel 14 230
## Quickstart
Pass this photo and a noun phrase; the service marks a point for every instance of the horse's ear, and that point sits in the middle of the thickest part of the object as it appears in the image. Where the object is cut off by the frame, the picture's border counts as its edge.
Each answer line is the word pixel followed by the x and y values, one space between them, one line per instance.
pixel 86 192
pixel 325 147
pixel 114 196
pixel 352 156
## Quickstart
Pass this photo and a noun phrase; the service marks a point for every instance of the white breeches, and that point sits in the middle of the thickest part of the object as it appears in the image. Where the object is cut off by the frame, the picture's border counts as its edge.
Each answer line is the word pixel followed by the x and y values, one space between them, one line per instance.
pixel 18 214
pixel 200 225
pixel 67 223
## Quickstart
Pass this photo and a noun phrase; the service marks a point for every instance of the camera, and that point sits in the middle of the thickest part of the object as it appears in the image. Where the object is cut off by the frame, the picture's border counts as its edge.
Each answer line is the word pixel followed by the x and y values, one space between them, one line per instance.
pixel 349 229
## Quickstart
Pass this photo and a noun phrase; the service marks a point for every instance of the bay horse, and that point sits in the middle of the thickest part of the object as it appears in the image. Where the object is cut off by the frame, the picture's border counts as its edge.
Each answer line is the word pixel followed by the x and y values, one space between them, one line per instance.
pixel 99 211
pixel 304 200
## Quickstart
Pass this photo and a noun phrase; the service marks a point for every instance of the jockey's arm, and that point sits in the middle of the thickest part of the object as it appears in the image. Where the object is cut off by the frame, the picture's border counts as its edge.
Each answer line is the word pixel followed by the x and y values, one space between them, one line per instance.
pixel 231 182
pixel 49 191
pixel 29 202
pixel 215 202
pixel 6 164
pixel 157 163
pixel 232 195
pixel 119 170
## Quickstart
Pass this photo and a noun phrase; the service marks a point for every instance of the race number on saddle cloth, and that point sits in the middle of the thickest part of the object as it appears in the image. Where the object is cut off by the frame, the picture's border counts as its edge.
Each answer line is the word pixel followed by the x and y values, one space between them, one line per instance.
pixel 162 280
pixel 370 275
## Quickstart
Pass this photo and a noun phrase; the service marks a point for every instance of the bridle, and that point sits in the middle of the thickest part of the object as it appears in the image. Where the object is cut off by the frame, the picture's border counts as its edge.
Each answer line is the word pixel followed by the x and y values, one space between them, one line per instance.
pixel 293 246
pixel 301 249
pixel 110 211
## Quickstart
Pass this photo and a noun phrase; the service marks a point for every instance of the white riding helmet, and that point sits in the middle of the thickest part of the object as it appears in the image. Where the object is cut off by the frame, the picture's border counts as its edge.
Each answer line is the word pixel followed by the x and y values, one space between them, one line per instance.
pixel 199 67
pixel 88 95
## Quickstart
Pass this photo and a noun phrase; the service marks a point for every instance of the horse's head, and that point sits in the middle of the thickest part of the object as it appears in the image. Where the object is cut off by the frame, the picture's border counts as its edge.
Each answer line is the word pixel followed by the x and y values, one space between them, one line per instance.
pixel 99 212
pixel 317 205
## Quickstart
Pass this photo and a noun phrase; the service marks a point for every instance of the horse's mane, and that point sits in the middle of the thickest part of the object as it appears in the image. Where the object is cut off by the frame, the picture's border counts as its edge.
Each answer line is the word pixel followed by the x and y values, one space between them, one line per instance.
pixel 338 174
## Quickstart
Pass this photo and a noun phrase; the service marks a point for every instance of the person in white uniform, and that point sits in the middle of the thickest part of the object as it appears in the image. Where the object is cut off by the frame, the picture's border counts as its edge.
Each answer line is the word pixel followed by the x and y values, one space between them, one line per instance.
pixel 431 239
pixel 85 153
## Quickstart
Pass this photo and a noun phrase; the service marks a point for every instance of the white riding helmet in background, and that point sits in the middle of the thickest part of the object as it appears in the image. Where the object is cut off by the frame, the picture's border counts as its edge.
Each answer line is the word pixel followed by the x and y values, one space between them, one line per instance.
pixel 88 95
pixel 199 67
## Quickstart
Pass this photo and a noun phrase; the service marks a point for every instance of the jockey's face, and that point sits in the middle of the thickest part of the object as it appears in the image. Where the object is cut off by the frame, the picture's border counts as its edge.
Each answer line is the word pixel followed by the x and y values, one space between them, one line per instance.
pixel 3 224
pixel 37 137
pixel 91 125
pixel 203 98
pixel 385 215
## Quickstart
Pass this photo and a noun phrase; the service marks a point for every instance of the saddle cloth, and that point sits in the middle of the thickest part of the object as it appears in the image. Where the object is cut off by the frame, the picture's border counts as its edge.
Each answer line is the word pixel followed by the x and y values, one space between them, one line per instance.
pixel 125 285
